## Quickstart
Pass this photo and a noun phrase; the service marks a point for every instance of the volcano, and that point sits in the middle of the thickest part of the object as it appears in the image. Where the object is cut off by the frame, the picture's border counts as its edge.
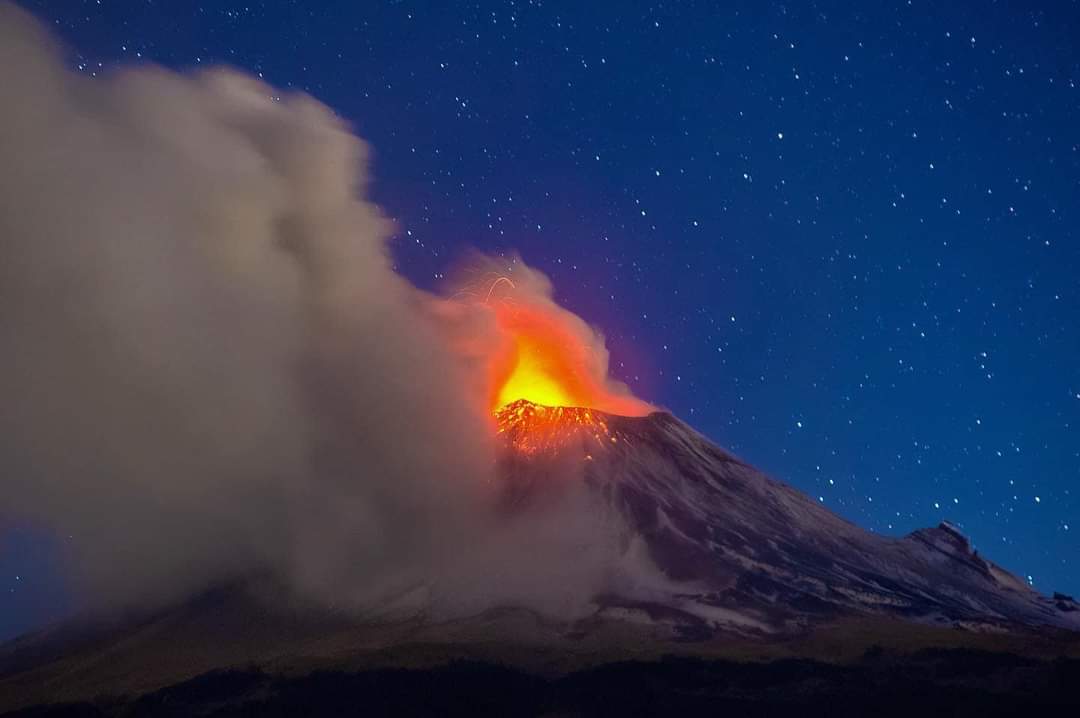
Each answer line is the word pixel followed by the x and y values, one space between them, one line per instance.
pixel 752 554
pixel 746 566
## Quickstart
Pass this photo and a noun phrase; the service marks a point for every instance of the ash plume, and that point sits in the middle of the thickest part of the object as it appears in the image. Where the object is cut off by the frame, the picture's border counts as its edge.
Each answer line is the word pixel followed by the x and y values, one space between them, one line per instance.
pixel 210 367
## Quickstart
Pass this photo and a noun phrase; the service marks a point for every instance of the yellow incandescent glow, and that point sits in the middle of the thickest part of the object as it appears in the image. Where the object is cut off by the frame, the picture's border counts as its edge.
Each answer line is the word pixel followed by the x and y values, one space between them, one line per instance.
pixel 533 379
pixel 550 362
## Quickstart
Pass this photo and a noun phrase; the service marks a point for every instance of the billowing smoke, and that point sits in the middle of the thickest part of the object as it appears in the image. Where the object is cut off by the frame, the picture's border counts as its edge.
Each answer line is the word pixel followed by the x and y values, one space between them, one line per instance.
pixel 209 367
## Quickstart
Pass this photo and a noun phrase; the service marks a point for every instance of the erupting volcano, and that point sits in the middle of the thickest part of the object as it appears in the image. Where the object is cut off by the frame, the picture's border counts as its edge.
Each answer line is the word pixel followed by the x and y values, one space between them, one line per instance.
pixel 737 551
pixel 269 458
pixel 708 554
pixel 740 551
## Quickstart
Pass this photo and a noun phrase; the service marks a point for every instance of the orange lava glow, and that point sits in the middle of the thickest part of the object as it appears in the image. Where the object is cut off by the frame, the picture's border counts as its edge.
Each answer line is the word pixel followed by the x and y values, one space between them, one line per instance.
pixel 552 364
pixel 532 429
pixel 535 377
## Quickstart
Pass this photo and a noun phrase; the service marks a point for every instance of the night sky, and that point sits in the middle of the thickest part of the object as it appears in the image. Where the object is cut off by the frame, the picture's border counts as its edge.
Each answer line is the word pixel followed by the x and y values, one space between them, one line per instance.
pixel 837 238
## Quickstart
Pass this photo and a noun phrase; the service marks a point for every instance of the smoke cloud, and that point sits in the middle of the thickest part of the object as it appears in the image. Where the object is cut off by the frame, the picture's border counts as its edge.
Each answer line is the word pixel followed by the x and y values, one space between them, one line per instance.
pixel 210 367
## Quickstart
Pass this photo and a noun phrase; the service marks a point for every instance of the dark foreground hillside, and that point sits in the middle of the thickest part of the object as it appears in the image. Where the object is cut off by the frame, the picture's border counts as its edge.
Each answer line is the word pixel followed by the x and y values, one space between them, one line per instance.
pixel 932 682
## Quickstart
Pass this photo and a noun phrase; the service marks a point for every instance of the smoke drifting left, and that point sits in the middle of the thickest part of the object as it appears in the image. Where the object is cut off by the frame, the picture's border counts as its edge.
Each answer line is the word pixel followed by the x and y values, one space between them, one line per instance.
pixel 210 368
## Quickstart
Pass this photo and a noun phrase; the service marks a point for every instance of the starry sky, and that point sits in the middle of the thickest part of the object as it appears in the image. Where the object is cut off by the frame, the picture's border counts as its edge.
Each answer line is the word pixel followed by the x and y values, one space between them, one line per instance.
pixel 837 238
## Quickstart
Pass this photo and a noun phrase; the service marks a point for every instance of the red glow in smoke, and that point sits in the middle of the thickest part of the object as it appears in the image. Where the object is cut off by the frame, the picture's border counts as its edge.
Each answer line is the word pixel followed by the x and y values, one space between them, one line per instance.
pixel 551 364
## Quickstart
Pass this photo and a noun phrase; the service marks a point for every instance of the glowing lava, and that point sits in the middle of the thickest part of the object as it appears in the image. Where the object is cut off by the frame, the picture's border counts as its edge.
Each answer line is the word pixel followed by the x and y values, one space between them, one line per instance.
pixel 535 377
pixel 531 429
pixel 556 360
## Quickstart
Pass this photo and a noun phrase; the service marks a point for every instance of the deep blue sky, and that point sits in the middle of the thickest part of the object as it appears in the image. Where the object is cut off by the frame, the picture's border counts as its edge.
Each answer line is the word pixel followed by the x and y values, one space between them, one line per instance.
pixel 838 238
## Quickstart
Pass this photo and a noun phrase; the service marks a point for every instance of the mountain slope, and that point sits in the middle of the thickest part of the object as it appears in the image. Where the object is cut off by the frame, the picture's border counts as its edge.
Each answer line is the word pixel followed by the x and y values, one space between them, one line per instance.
pixel 755 553
pixel 750 568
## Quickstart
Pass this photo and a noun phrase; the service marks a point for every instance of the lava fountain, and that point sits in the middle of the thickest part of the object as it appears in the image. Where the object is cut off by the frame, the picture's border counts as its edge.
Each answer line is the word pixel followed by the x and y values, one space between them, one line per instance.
pixel 555 358
pixel 550 380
